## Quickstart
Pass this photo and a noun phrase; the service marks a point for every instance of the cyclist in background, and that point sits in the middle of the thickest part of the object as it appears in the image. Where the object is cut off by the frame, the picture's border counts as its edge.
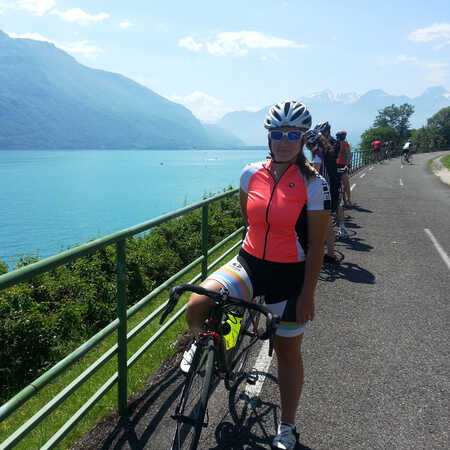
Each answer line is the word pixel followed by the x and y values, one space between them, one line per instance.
pixel 376 146
pixel 312 143
pixel 344 162
pixel 406 149
pixel 389 148
pixel 328 145
pixel 285 203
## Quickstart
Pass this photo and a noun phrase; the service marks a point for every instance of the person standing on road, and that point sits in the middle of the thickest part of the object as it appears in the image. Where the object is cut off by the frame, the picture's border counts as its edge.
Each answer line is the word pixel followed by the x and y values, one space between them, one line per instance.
pixel 285 203
pixel 317 154
pixel 344 162
pixel 328 144
pixel 376 146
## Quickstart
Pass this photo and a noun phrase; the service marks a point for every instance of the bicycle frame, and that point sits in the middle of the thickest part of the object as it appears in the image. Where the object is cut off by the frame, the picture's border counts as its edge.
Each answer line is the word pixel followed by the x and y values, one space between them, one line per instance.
pixel 226 359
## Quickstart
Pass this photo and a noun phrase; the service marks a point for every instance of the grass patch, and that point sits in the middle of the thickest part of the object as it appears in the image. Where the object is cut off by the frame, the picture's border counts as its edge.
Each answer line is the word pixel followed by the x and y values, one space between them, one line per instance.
pixel 446 161
pixel 137 376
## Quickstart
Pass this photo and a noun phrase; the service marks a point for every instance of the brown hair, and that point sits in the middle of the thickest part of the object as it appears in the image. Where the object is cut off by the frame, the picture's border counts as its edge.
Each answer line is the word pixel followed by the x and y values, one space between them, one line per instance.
pixel 305 167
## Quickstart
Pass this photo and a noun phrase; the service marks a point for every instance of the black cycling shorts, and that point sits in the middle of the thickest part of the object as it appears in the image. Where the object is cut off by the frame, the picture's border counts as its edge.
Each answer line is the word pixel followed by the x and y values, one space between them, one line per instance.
pixel 247 277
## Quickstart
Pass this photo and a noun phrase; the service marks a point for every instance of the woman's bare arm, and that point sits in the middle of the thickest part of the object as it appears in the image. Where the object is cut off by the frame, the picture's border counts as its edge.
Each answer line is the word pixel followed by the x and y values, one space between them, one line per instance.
pixel 317 228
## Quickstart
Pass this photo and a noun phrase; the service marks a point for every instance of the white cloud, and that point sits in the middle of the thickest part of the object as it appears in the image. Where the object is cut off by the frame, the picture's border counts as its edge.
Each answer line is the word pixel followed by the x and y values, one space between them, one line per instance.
pixel 238 43
pixel 81 48
pixel 77 15
pixel 38 7
pixel 33 36
pixel 406 58
pixel 436 72
pixel 190 44
pixel 437 31
pixel 126 24
pixel 203 106
pixel 270 58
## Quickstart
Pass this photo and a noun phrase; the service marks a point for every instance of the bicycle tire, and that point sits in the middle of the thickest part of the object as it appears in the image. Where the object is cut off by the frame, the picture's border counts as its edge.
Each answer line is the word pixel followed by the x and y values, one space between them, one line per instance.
pixel 191 410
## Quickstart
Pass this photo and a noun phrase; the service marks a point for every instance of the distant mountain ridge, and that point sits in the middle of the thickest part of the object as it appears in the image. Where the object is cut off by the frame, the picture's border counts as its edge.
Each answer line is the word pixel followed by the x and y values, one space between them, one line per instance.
pixel 48 100
pixel 350 111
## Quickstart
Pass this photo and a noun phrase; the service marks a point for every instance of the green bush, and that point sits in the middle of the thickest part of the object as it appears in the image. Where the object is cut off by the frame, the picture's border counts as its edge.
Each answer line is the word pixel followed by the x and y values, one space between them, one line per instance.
pixel 45 318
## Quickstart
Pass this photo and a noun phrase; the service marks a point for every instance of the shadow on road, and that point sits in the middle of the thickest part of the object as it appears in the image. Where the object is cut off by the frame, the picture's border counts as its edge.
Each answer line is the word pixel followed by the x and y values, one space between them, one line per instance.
pixel 358 208
pixel 354 243
pixel 349 271
pixel 253 420
pixel 140 407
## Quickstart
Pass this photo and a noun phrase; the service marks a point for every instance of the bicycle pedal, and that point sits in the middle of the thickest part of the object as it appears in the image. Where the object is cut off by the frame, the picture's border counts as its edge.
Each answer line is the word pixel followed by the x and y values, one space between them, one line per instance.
pixel 252 378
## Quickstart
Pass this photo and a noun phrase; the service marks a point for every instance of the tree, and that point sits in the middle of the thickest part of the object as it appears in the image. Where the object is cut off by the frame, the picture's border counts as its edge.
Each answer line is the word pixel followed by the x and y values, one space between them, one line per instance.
pixel 440 125
pixel 382 133
pixel 436 134
pixel 396 117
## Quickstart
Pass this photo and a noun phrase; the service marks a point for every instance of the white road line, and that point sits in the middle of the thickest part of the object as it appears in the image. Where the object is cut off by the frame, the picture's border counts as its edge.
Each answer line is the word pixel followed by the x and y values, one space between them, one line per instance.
pixel 401 182
pixel 440 250
pixel 363 175
pixel 262 365
pixel 353 185
pixel 371 168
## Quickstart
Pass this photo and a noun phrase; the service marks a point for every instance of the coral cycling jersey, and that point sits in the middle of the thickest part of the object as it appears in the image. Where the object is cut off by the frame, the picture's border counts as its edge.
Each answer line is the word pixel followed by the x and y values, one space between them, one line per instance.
pixel 277 211
pixel 343 148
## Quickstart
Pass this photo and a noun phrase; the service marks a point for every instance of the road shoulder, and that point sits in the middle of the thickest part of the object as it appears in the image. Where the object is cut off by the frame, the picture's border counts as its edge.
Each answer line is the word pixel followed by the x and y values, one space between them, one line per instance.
pixel 440 170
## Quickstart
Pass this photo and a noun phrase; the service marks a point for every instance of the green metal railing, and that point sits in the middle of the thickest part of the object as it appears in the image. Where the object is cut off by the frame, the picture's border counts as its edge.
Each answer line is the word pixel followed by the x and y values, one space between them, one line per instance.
pixel 120 324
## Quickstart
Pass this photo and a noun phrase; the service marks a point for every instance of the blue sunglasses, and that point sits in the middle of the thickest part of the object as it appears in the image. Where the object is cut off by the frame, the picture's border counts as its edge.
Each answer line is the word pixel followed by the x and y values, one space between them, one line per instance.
pixel 291 135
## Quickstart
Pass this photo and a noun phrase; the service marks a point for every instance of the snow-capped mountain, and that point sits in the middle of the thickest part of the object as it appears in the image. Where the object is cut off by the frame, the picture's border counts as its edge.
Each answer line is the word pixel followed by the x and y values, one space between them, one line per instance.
pixel 349 111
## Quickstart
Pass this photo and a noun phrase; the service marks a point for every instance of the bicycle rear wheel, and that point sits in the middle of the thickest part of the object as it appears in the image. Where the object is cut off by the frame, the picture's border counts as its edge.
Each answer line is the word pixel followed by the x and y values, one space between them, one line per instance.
pixel 191 409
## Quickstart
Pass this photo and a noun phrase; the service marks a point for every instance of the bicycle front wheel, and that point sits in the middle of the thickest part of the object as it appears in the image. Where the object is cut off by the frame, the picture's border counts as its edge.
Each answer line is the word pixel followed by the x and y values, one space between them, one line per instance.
pixel 191 409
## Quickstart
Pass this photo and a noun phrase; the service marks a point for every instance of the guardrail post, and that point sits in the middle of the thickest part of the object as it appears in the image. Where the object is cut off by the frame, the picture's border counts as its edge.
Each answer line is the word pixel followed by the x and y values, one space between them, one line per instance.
pixel 205 241
pixel 122 329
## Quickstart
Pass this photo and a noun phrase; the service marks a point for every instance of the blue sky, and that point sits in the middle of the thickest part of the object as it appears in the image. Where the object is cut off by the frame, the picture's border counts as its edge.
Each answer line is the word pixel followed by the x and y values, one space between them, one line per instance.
pixel 216 57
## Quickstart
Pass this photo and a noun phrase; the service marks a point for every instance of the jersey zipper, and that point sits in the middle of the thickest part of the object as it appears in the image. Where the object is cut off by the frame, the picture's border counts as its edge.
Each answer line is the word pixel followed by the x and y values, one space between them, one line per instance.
pixel 268 206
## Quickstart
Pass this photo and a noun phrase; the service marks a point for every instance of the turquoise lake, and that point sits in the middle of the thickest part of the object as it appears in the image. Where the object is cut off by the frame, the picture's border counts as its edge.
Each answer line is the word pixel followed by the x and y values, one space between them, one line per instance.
pixel 52 199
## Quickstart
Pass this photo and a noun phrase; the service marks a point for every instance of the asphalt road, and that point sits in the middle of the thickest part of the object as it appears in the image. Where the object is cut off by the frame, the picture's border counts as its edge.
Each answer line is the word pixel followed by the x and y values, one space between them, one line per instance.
pixel 377 355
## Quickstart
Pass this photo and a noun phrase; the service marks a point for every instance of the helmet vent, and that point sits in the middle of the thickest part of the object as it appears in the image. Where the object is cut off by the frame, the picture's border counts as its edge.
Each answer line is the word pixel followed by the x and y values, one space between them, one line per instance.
pixel 298 113
pixel 287 106
pixel 275 113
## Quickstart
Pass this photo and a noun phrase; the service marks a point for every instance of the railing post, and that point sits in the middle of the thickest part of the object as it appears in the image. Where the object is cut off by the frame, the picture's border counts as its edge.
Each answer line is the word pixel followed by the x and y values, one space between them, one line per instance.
pixel 205 241
pixel 122 329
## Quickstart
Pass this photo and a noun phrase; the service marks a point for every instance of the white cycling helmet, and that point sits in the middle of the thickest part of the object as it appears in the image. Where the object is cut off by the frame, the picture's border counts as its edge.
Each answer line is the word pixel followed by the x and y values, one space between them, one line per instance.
pixel 288 114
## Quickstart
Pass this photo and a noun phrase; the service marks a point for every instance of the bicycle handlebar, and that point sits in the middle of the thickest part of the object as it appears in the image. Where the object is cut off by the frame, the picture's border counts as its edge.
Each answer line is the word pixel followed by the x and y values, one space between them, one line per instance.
pixel 221 297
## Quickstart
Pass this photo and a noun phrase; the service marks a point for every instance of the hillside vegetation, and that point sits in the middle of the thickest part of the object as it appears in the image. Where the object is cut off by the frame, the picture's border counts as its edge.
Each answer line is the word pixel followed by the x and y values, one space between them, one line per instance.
pixel 45 318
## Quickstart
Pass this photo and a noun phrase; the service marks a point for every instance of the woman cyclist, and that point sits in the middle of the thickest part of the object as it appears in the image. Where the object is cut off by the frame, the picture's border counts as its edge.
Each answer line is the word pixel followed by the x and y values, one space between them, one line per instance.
pixel 343 163
pixel 285 203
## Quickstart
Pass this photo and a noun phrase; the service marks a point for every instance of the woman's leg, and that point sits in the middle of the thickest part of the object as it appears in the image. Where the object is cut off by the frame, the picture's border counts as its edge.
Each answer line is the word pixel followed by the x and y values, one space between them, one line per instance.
pixel 199 306
pixel 346 188
pixel 331 239
pixel 290 375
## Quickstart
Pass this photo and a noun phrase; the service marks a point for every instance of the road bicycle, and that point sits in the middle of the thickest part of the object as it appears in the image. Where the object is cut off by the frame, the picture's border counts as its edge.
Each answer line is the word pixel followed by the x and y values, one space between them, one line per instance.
pixel 232 327
pixel 406 158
